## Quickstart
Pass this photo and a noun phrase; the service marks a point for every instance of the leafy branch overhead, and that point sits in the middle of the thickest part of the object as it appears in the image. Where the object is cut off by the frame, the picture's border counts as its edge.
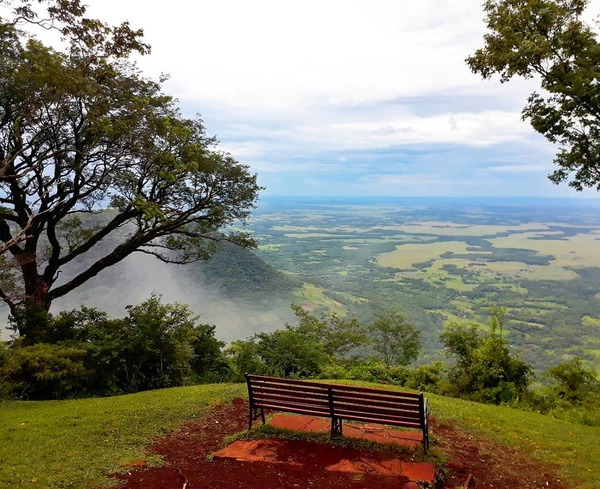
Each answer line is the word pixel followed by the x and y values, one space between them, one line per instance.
pixel 82 132
pixel 548 39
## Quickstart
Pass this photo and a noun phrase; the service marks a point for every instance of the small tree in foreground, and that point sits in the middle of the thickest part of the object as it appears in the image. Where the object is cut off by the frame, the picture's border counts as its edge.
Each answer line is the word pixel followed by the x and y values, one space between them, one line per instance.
pixel 302 350
pixel 395 340
pixel 572 381
pixel 485 370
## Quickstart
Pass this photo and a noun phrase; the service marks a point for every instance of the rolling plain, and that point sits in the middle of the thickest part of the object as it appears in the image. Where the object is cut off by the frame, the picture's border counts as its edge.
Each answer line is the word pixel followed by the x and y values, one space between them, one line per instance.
pixel 442 260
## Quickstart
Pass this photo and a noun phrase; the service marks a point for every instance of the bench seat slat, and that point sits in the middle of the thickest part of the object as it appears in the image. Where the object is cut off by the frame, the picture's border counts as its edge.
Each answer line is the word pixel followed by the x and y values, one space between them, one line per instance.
pixel 291 399
pixel 256 379
pixel 282 385
pixel 293 409
pixel 360 397
pixel 380 411
pixel 369 419
pixel 384 403
pixel 341 387
pixel 290 391
pixel 398 420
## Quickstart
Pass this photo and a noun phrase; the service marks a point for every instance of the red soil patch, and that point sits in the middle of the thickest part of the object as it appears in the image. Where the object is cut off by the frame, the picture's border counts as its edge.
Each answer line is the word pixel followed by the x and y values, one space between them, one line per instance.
pixel 189 464
pixel 371 432
pixel 337 459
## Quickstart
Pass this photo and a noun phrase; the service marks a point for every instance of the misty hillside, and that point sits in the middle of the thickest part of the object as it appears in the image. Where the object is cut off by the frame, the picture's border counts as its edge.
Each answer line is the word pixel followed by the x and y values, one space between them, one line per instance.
pixel 235 290
pixel 238 273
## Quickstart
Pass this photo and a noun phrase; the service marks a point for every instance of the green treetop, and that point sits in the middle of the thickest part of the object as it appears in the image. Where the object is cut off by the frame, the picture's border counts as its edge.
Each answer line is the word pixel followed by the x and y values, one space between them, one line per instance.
pixel 548 40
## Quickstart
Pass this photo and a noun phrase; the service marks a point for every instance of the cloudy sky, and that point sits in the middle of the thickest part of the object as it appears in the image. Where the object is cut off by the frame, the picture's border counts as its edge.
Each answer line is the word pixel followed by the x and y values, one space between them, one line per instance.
pixel 347 97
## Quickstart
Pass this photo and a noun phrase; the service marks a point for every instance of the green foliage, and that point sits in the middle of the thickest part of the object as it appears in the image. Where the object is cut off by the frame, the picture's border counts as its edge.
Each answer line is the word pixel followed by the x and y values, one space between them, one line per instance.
pixel 83 133
pixel 548 39
pixel 156 345
pixel 395 340
pixel 573 395
pixel 35 324
pixel 244 358
pixel 5 387
pixel 572 381
pixel 44 371
pixel 485 370
pixel 291 353
pixel 426 378
pixel 462 341
pixel 374 371
pixel 338 336
pixel 304 350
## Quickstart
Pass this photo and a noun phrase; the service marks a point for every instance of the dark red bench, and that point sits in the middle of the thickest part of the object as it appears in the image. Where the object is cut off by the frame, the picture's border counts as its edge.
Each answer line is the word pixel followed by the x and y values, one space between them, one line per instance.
pixel 338 402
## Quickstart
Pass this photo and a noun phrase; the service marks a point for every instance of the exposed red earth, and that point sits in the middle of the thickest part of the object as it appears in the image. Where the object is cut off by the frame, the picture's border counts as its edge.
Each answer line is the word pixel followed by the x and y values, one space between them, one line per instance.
pixel 190 461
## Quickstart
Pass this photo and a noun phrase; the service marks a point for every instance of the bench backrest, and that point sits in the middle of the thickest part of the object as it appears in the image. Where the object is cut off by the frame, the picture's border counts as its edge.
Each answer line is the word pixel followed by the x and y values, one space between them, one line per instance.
pixel 340 401
pixel 378 406
pixel 297 396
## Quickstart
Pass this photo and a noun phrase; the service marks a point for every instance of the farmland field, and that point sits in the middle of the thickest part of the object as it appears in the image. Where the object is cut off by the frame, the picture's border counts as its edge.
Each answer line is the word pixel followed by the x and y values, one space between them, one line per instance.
pixel 440 260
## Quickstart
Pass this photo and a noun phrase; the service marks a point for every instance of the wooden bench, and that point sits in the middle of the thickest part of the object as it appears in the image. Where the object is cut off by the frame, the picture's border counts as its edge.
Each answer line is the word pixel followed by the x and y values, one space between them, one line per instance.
pixel 338 402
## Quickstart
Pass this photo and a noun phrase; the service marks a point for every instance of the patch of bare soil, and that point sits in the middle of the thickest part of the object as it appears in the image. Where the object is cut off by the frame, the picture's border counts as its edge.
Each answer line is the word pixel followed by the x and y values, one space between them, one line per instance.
pixel 492 466
pixel 189 465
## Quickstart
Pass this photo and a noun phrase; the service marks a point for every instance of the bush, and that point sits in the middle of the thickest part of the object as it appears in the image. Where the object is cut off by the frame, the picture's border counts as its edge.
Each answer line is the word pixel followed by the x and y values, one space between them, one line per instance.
pixel 5 387
pixel 572 381
pixel 426 377
pixel 485 371
pixel 374 371
pixel 157 345
pixel 44 371
pixel 334 371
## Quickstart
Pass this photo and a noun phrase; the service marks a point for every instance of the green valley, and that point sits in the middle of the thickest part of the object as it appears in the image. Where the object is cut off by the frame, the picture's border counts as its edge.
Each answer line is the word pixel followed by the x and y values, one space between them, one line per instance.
pixel 440 260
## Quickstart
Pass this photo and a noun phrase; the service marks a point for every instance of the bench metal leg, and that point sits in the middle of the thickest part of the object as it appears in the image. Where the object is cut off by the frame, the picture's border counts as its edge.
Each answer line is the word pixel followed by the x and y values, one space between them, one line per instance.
pixel 336 427
pixel 255 413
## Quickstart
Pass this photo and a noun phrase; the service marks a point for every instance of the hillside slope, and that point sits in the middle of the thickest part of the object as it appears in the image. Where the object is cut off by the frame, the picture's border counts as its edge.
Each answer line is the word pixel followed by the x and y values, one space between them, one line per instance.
pixel 75 443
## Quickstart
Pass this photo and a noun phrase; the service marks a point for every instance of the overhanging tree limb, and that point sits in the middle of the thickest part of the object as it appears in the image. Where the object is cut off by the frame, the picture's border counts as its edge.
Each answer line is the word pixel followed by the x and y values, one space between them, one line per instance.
pixel 547 38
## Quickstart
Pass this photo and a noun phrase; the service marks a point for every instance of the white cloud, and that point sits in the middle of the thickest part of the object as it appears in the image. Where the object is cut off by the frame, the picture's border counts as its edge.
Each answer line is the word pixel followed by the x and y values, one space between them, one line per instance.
pixel 291 86
pixel 283 55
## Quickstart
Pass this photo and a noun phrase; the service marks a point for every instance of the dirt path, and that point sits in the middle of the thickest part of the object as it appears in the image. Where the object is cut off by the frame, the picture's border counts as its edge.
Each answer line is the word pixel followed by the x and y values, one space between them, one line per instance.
pixel 188 464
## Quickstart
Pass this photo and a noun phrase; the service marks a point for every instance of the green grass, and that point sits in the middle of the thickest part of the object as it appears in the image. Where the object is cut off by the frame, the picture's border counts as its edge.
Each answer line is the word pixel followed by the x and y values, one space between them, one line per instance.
pixel 64 444
pixel 572 448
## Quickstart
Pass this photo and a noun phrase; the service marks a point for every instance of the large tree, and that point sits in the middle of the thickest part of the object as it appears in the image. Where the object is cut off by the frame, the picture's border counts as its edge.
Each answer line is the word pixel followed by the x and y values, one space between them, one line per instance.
pixel 549 40
pixel 96 161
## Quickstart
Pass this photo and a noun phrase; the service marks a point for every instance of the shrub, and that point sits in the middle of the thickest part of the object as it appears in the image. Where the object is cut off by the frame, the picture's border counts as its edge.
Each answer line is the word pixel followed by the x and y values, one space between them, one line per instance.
pixel 44 371
pixel 426 377
pixel 375 371
pixel 157 345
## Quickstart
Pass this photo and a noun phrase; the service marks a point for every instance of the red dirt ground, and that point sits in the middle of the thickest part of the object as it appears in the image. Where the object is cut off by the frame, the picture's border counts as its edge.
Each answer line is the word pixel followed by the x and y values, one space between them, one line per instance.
pixel 189 464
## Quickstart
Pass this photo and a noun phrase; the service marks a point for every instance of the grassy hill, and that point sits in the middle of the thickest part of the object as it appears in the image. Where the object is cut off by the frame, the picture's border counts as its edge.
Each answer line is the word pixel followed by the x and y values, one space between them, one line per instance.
pixel 63 444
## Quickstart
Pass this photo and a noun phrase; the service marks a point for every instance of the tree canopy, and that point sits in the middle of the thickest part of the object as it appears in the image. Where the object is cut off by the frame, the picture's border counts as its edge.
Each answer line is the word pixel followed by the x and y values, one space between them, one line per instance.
pixel 91 148
pixel 485 370
pixel 396 340
pixel 549 39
